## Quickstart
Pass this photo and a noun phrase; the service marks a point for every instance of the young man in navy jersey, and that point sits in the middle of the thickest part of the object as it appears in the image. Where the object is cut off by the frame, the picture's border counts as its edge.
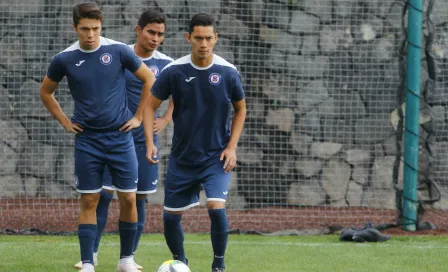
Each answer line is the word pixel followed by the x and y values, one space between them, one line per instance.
pixel 203 87
pixel 95 70
pixel 150 34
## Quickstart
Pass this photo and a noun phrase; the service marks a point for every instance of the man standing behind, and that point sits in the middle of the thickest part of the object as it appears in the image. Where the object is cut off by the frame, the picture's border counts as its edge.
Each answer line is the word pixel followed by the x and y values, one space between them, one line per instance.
pixel 95 70
pixel 203 86
pixel 150 34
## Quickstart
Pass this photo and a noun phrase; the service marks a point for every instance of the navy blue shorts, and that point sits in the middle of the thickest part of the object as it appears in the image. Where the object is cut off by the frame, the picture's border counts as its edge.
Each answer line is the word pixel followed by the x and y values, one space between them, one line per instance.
pixel 96 150
pixel 148 174
pixel 183 184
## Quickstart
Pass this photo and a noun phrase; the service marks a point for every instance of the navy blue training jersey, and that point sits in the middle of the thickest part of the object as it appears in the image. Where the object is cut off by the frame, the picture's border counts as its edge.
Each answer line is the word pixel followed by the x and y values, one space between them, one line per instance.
pixel 96 79
pixel 134 87
pixel 202 99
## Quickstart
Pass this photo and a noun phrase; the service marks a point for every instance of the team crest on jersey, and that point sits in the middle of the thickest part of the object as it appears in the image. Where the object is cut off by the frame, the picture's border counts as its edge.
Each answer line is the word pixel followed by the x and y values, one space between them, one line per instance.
pixel 154 70
pixel 214 79
pixel 106 58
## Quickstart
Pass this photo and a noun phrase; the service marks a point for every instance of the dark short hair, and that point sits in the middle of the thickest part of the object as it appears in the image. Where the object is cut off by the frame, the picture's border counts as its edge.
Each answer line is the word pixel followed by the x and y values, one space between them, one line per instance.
pixel 151 16
pixel 88 10
pixel 201 19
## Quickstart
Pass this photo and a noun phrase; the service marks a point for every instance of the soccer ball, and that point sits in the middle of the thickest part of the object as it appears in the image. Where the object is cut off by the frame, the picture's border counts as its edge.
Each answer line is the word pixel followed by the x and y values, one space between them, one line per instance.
pixel 173 266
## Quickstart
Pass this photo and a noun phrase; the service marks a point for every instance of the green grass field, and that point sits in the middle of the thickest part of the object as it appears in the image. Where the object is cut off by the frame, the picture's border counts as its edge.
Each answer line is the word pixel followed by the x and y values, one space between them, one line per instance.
pixel 245 253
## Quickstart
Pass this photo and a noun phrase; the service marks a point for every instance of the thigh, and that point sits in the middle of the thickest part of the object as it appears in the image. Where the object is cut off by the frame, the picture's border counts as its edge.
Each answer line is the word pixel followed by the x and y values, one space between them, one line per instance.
pixel 148 174
pixel 89 168
pixel 216 182
pixel 123 168
pixel 181 188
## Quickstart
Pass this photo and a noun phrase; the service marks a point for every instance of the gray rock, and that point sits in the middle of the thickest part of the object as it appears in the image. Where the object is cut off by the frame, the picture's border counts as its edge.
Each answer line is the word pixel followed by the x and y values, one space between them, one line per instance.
pixel 281 90
pixel 360 175
pixel 249 154
pixel 309 167
pixel 13 134
pixel 309 124
pixel 310 45
pixel 113 16
pixel 338 130
pixel 283 119
pixel 177 46
pixel 307 67
pixel 38 160
pixel 125 34
pixel 345 105
pixel 5 107
pixel 303 23
pixel 8 160
pixel 50 189
pixel 357 156
pixel 232 28
pixel 373 129
pixel 379 198
pixel 31 185
pixel 275 61
pixel 390 146
pixel 65 165
pixel 11 186
pixel 319 8
pixel 309 94
pixel 37 129
pixel 28 104
pixel 325 150
pixel 343 9
pixel 39 34
pixel 335 179
pixel 224 48
pixel 13 59
pixel 276 15
pixel 304 193
pixel 333 37
pixel 13 9
pixel 382 172
pixel 281 40
pixel 210 7
pixel 300 142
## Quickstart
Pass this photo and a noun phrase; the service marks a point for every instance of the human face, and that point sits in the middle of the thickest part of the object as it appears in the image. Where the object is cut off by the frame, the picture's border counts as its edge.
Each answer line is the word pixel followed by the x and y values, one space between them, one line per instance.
pixel 202 40
pixel 88 31
pixel 151 36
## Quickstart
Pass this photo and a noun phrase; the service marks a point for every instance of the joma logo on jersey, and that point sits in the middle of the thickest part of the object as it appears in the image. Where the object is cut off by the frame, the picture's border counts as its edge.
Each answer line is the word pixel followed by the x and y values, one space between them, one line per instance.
pixel 154 70
pixel 106 58
pixel 214 79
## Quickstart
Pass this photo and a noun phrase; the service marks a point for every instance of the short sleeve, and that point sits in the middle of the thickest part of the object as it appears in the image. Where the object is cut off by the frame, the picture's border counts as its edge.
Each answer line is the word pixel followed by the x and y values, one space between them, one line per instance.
pixel 162 87
pixel 56 70
pixel 237 88
pixel 129 60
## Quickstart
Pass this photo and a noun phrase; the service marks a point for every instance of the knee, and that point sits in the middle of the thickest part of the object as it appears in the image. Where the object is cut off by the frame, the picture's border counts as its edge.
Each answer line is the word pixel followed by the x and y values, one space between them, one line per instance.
pixel 213 205
pixel 89 202
pixel 127 199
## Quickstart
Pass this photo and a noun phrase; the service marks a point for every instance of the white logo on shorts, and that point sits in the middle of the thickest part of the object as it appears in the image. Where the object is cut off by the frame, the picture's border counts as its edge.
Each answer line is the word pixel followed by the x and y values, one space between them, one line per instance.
pixel 225 193
pixel 136 181
pixel 76 180
pixel 155 182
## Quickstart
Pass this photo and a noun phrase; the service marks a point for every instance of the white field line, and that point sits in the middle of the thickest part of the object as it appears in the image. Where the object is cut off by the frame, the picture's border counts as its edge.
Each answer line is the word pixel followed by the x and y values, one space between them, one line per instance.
pixel 297 244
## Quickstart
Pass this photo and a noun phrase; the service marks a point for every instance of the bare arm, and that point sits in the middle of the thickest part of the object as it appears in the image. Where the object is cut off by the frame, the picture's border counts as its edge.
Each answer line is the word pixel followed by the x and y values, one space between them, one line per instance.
pixel 161 123
pixel 238 122
pixel 147 77
pixel 237 128
pixel 47 89
pixel 151 106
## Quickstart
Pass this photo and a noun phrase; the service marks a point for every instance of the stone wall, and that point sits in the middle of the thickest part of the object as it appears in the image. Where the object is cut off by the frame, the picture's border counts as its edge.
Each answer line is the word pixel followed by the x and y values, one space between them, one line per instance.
pixel 322 80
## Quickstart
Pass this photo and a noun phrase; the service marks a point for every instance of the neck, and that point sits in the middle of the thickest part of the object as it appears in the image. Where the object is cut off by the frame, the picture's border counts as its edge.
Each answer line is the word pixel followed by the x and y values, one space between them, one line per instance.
pixel 201 62
pixel 141 52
